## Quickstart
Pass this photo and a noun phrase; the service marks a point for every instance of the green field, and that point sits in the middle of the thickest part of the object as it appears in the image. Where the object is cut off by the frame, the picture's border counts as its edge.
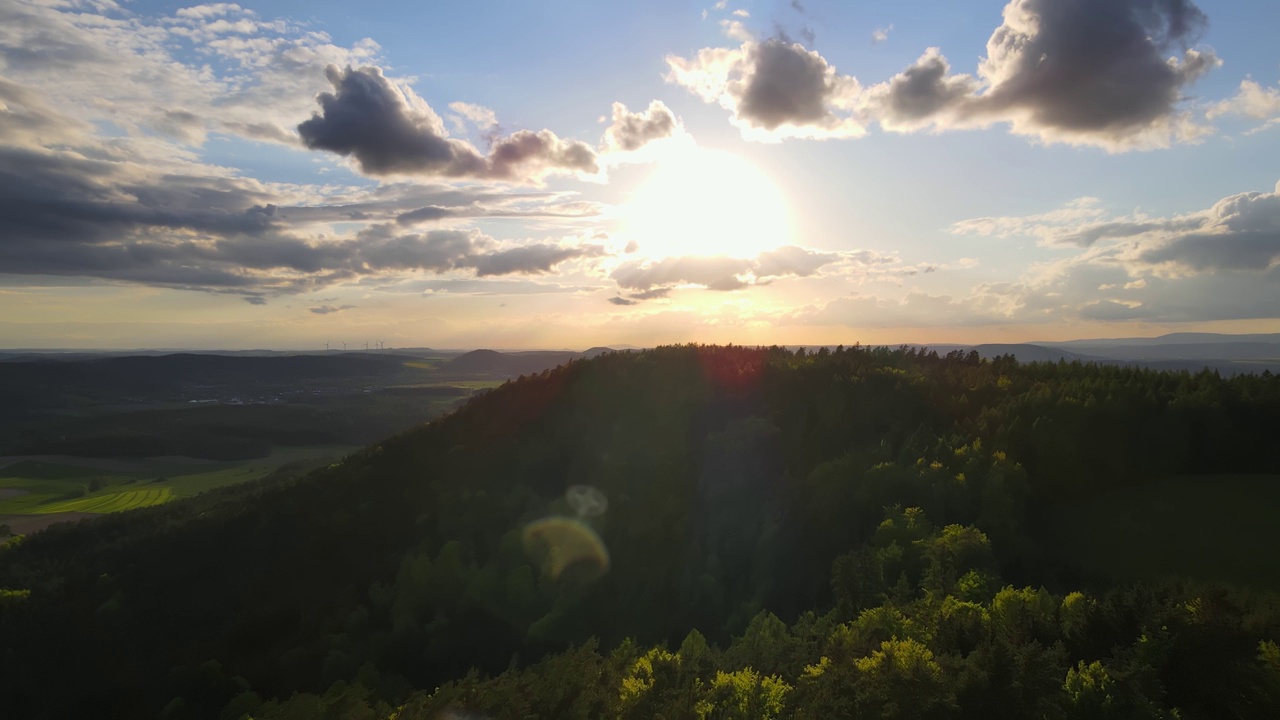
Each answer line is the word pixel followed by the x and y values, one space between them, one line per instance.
pixel 114 502
pixel 85 485
pixel 1219 528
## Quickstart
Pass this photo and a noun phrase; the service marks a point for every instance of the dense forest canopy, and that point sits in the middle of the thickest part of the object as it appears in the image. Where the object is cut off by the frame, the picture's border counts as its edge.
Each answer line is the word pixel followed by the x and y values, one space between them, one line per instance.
pixel 687 532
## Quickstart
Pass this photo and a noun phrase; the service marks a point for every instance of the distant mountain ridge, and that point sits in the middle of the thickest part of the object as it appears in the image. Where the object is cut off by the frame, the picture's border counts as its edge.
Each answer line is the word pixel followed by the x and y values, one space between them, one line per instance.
pixel 492 362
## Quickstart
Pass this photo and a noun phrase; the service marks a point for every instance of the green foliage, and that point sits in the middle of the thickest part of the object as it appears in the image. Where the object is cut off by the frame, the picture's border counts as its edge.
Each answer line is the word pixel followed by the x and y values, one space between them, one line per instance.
pixel 849 533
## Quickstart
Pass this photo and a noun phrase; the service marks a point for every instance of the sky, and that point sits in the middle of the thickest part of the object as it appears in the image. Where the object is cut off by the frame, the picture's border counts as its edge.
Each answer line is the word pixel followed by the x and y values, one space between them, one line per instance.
pixel 571 174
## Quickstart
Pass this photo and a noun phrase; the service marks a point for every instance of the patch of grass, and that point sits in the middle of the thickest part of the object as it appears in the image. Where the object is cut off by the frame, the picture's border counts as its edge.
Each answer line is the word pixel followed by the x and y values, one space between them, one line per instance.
pixel 475 384
pixel 51 487
pixel 1218 528
pixel 111 502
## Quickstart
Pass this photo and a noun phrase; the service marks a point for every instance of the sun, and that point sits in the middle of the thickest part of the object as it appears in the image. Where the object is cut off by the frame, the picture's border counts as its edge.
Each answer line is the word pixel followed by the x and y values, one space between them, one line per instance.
pixel 708 203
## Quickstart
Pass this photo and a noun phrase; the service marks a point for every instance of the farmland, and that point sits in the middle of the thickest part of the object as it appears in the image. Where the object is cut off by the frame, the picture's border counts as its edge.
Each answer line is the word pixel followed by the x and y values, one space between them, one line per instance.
pixel 37 491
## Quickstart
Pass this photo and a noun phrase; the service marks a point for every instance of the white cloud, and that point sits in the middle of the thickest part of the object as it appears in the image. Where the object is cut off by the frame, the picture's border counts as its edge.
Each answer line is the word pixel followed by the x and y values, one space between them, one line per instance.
pixel 1252 101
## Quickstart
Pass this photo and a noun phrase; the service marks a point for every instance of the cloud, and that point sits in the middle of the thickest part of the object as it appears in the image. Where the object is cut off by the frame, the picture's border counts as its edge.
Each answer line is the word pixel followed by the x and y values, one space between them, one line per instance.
pixel 1106 73
pixel 480 116
pixel 1252 101
pixel 774 89
pixel 1220 263
pixel 389 130
pixel 715 273
pixel 1239 233
pixel 622 301
pixel 529 259
pixel 255 299
pixel 434 213
pixel 221 70
pixel 1091 72
pixel 924 94
pixel 735 30
pixel 655 278
pixel 632 131
pixel 881 34
pixel 652 294
pixel 792 260
pixel 330 309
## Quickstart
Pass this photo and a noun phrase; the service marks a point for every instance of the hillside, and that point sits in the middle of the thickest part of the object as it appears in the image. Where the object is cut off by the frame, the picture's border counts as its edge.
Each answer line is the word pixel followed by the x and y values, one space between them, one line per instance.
pixel 757 533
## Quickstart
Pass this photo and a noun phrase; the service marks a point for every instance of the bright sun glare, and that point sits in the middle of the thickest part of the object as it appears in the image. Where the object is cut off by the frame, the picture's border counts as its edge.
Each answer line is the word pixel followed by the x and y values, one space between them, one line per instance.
pixel 707 202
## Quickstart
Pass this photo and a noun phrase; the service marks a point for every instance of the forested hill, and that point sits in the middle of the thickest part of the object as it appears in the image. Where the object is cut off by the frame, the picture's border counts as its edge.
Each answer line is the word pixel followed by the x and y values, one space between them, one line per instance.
pixel 687 532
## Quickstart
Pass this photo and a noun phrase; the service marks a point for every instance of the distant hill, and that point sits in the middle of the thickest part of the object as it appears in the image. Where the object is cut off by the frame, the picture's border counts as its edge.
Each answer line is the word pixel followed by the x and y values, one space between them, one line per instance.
pixel 513 364
pixel 1185 338
pixel 1230 354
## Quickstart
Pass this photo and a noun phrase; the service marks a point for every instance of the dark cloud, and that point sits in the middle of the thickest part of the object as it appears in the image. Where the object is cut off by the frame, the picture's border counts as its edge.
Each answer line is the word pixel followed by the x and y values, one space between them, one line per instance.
pixel 68 213
pixel 622 301
pixel 1088 235
pixel 920 94
pixel 1200 251
pixel 1088 71
pixel 255 300
pixel 526 154
pixel 330 309
pixel 389 132
pixel 64 215
pixel 1094 72
pixel 787 85
pixel 653 294
pixel 369 118
pixel 632 131
pixel 529 259
pixel 434 213
pixel 776 87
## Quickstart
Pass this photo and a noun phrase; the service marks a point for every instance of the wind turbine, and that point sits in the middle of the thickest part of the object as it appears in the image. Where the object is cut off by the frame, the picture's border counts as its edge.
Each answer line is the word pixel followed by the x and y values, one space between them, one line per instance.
pixel 344 347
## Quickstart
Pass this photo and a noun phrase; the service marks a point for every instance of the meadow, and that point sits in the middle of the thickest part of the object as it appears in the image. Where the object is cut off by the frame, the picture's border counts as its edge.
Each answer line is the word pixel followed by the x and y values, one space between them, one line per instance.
pixel 64 484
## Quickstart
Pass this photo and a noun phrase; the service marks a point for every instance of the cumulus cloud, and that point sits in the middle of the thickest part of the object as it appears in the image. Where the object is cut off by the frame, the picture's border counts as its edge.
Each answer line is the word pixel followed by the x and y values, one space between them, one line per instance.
pixel 1239 233
pixel 1252 101
pixel 632 131
pixel 1107 73
pixel 773 88
pixel 1093 72
pixel 84 211
pixel 1220 263
pixel 390 130
pixel 881 34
